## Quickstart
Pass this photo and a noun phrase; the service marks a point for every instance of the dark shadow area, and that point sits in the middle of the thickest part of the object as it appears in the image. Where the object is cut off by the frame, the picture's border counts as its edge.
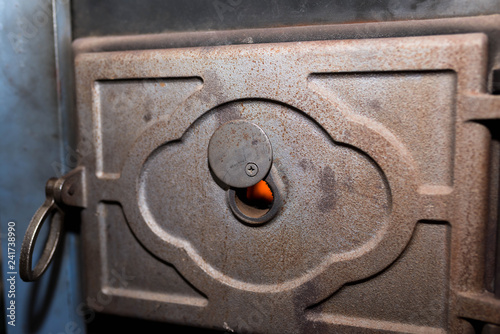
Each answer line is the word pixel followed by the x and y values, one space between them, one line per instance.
pixel 495 82
pixel 105 323
pixel 492 235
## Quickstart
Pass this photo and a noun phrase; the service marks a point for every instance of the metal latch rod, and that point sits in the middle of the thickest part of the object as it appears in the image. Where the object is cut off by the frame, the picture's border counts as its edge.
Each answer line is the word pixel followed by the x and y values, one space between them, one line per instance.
pixel 60 195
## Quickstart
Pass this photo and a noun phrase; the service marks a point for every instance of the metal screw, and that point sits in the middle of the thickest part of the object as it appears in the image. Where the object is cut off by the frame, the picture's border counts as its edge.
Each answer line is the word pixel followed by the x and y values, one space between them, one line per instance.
pixel 251 169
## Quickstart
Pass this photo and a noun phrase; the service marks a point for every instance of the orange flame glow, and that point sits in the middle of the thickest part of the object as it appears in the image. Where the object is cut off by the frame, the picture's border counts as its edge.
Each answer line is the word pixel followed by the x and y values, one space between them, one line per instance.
pixel 260 192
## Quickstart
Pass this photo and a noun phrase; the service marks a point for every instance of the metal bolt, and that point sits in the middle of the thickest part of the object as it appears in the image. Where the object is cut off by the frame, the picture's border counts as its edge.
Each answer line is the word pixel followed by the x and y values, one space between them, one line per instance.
pixel 251 169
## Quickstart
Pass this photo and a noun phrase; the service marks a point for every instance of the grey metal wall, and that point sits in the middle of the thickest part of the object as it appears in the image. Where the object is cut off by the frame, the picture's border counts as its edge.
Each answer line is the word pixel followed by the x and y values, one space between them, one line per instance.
pixel 30 147
pixel 118 17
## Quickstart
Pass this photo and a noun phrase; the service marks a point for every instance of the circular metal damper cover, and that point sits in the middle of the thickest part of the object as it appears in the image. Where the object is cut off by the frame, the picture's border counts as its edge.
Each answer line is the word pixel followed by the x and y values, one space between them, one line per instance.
pixel 240 154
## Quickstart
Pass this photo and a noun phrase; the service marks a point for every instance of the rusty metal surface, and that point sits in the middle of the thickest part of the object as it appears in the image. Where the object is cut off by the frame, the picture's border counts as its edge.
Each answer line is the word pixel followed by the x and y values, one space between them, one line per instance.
pixel 487 24
pixel 382 169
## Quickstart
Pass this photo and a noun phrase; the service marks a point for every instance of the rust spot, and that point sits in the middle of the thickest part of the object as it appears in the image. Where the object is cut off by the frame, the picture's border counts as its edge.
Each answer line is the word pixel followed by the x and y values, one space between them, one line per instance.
pixel 374 104
pixel 306 165
pixel 328 187
pixel 162 84
pixel 227 113
pixel 147 116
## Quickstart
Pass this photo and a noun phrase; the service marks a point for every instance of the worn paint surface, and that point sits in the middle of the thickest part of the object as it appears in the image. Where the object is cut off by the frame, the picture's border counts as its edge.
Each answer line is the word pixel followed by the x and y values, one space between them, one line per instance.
pixel 374 151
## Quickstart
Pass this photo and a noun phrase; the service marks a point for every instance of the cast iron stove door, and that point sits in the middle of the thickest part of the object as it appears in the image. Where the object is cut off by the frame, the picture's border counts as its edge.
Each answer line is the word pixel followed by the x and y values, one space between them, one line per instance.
pixel 376 170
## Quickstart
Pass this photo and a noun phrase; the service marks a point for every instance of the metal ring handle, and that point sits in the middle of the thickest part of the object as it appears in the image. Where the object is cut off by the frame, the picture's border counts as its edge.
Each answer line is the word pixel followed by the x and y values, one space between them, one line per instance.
pixel 26 258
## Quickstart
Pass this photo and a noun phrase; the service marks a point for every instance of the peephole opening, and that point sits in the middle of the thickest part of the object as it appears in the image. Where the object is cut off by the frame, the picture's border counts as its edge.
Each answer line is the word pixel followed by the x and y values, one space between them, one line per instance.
pixel 255 201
